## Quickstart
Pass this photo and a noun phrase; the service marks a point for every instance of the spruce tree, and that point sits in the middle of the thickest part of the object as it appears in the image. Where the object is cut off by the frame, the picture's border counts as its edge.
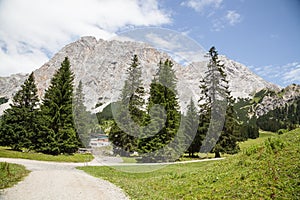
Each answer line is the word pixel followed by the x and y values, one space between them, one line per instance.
pixel 163 125
pixel 19 124
pixel 128 112
pixel 85 121
pixel 191 124
pixel 215 102
pixel 58 128
pixel 133 91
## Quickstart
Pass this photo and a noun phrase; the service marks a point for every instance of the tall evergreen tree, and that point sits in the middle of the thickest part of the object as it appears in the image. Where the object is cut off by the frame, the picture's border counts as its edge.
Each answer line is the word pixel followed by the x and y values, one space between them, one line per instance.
pixel 191 123
pixel 162 92
pixel 129 111
pixel 85 121
pixel 215 102
pixel 19 124
pixel 133 91
pixel 58 128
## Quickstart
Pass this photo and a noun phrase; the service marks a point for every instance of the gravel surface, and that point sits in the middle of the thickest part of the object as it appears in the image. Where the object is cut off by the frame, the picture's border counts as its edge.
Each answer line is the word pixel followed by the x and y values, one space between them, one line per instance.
pixel 59 181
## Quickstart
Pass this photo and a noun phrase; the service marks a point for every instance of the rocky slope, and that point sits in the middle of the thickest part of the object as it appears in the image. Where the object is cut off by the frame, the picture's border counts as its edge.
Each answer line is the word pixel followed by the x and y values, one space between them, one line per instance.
pixel 101 66
pixel 277 99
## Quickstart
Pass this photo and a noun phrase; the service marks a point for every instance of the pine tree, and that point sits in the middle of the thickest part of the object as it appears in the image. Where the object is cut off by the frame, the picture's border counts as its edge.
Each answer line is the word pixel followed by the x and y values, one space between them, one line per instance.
pixel 162 127
pixel 133 91
pixel 85 121
pixel 58 128
pixel 215 102
pixel 19 124
pixel 129 112
pixel 191 123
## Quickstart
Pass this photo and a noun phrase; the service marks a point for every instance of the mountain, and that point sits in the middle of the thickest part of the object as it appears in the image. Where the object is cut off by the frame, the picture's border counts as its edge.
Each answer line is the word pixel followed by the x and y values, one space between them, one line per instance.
pixel 101 66
pixel 269 100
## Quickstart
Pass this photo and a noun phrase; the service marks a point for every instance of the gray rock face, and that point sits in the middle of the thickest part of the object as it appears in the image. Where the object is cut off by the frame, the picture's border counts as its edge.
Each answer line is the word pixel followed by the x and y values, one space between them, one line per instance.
pixel 278 99
pixel 101 66
pixel 10 85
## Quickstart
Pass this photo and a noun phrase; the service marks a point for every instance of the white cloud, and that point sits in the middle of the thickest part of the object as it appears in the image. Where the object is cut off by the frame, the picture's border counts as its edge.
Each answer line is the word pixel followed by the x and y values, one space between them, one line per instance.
pixel 32 29
pixel 218 25
pixel 200 5
pixel 282 75
pixel 293 75
pixel 233 17
pixel 179 46
pixel 158 41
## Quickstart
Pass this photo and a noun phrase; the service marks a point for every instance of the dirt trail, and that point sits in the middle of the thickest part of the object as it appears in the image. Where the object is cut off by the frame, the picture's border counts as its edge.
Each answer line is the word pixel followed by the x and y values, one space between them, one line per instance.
pixel 59 181
pixel 62 181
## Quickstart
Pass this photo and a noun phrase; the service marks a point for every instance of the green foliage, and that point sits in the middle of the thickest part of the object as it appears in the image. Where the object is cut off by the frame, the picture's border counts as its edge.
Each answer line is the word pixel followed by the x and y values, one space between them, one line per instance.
pixel 85 121
pixel 58 131
pixel 247 119
pixel 3 100
pixel 263 135
pixel 9 153
pixel 191 124
pixel 105 114
pixel 128 112
pixel 19 124
pixel 215 97
pixel 258 97
pixel 10 174
pixel 287 117
pixel 163 93
pixel 261 174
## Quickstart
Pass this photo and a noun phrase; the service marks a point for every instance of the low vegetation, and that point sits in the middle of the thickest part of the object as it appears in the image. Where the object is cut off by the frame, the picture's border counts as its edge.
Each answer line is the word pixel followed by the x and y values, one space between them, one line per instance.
pixel 6 152
pixel 267 169
pixel 10 174
pixel 263 135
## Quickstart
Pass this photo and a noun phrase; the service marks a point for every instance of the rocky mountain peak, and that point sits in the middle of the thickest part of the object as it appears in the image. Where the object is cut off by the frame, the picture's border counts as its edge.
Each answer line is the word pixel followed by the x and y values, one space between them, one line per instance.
pixel 101 66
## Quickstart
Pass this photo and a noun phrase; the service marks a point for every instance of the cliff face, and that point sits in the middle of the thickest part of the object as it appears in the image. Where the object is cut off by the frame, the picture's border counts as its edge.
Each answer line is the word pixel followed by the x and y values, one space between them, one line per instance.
pixel 278 99
pixel 101 66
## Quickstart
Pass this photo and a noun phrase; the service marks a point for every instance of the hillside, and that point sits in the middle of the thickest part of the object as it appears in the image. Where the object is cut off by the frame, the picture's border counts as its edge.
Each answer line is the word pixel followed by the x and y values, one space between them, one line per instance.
pixel 101 66
pixel 269 170
pixel 267 100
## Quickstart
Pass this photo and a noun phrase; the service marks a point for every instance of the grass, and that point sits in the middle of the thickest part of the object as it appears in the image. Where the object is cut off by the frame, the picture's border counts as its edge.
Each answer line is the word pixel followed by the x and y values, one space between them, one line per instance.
pixel 269 168
pixel 10 174
pixel 5 152
pixel 263 135
pixel 129 159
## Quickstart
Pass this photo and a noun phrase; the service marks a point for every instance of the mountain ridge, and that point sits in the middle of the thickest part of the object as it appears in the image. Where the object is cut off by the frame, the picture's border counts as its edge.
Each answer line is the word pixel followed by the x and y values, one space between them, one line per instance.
pixel 101 66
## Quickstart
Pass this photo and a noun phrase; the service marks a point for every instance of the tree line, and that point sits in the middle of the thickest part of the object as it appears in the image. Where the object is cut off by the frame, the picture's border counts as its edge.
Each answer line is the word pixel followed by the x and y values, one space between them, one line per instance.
pixel 162 133
pixel 46 127
pixel 286 117
pixel 155 128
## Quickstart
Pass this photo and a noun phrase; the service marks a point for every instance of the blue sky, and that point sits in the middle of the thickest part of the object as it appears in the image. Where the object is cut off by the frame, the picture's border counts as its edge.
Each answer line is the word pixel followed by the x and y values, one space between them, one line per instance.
pixel 262 34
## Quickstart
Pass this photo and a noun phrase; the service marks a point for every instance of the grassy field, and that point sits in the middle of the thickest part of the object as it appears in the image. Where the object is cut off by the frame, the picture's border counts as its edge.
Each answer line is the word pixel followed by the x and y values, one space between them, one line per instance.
pixel 5 152
pixel 264 169
pixel 10 174
pixel 263 135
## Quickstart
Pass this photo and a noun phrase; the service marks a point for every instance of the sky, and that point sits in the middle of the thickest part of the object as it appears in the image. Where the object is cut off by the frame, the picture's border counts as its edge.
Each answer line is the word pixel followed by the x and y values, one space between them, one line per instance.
pixel 262 34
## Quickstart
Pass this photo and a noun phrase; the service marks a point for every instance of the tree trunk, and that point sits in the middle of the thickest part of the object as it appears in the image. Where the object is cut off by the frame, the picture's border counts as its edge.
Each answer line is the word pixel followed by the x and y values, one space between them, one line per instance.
pixel 217 154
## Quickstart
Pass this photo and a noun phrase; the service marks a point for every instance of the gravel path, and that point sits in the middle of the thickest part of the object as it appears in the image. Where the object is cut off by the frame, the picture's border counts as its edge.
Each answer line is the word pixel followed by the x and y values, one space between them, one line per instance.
pixel 62 181
pixel 59 181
